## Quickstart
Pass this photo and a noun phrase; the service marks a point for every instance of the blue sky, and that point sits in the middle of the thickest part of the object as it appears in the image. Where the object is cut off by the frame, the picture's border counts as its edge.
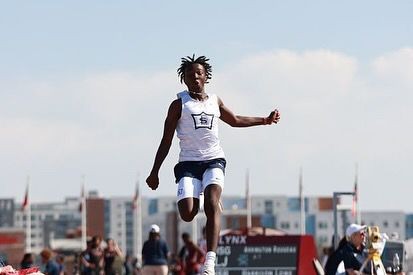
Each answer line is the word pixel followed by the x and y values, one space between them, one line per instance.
pixel 85 86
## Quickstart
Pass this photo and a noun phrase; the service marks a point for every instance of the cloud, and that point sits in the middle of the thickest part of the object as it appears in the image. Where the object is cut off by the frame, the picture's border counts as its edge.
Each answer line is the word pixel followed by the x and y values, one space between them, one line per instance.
pixel 335 111
pixel 395 66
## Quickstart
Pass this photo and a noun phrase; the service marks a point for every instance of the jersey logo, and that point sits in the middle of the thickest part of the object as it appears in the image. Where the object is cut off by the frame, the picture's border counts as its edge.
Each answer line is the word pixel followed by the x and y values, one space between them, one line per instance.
pixel 203 120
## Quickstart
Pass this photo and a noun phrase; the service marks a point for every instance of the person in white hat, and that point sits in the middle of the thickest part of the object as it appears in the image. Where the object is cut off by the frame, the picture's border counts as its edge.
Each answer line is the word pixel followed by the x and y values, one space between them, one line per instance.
pixel 349 256
pixel 155 253
pixel 353 253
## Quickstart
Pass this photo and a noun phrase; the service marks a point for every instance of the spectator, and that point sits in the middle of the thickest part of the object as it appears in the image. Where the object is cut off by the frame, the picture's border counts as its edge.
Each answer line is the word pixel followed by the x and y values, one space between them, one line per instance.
pixel 202 241
pixel 96 256
pixel 155 254
pixel 175 266
pixel 128 265
pixel 85 262
pixel 27 261
pixel 110 253
pixel 191 255
pixel 50 265
pixel 349 257
pixel 60 260
pixel 335 259
pixel 136 266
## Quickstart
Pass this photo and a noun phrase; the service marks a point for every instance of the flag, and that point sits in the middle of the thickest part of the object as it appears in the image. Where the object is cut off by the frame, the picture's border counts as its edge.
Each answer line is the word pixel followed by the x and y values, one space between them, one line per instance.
pixel 300 187
pixel 355 199
pixel 136 197
pixel 247 190
pixel 25 203
pixel 82 197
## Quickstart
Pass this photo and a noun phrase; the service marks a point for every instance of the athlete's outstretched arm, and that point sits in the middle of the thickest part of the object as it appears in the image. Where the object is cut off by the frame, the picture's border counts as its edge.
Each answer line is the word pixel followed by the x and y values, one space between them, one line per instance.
pixel 244 121
pixel 174 113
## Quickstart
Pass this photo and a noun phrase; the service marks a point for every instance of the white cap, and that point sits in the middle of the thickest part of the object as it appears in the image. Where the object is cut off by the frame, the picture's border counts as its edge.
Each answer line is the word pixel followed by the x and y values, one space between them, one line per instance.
pixel 155 228
pixel 353 228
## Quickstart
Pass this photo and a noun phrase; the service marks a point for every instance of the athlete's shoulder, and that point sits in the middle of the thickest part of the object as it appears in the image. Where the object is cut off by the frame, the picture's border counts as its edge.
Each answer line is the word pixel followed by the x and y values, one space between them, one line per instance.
pixel 182 94
pixel 213 97
pixel 176 103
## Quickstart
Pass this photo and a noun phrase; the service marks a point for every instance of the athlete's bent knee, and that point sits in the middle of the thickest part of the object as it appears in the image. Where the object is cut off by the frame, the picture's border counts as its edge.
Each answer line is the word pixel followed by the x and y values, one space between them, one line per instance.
pixel 187 217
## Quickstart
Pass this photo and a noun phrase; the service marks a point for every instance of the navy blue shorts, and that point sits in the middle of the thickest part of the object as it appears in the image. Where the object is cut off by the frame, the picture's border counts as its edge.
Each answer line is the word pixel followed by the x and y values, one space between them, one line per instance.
pixel 196 169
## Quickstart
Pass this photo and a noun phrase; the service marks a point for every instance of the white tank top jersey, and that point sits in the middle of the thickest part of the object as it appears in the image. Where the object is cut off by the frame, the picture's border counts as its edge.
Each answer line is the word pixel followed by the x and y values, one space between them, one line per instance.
pixel 197 128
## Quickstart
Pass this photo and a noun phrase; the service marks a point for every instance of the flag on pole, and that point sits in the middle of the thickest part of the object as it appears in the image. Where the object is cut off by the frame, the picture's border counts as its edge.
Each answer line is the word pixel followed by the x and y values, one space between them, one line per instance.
pixel 82 197
pixel 300 186
pixel 247 189
pixel 136 197
pixel 355 196
pixel 354 205
pixel 25 203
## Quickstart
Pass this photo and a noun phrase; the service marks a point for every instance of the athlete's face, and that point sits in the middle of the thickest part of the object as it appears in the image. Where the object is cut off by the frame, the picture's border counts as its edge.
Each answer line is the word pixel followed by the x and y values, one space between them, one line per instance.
pixel 195 78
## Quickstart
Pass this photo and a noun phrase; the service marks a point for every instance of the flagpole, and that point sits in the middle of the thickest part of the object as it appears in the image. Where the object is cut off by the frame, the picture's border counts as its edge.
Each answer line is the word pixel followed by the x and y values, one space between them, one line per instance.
pixel 28 218
pixel 135 226
pixel 138 218
pixel 248 199
pixel 84 216
pixel 302 208
pixel 358 216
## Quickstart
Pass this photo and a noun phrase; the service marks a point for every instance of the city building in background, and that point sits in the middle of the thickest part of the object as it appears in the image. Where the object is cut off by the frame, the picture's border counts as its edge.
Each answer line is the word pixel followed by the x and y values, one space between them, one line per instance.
pixel 58 225
pixel 7 209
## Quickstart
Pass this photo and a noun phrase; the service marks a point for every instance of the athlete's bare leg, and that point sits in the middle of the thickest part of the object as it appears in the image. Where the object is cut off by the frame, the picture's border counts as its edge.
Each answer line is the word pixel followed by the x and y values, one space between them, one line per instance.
pixel 188 208
pixel 213 213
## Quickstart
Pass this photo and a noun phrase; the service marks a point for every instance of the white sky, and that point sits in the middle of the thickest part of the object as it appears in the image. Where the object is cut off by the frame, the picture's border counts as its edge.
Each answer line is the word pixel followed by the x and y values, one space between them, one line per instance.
pixel 84 89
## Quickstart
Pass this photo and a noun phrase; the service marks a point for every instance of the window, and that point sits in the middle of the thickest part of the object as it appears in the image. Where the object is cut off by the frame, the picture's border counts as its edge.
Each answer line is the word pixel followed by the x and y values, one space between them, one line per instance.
pixel 285 225
pixel 322 225
pixel 268 205
pixel 235 223
pixel 153 206
pixel 322 239
pixel 64 217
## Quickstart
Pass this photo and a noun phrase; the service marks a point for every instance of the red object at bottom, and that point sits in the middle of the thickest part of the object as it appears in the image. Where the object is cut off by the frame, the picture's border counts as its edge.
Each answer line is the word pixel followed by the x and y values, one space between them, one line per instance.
pixel 28 270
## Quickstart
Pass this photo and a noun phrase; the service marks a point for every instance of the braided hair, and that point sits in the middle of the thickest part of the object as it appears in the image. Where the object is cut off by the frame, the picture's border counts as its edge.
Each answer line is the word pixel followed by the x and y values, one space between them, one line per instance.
pixel 189 61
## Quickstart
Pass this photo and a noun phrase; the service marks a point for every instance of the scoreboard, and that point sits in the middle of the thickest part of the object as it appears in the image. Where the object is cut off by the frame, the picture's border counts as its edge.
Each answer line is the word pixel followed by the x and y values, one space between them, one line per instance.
pixel 265 255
